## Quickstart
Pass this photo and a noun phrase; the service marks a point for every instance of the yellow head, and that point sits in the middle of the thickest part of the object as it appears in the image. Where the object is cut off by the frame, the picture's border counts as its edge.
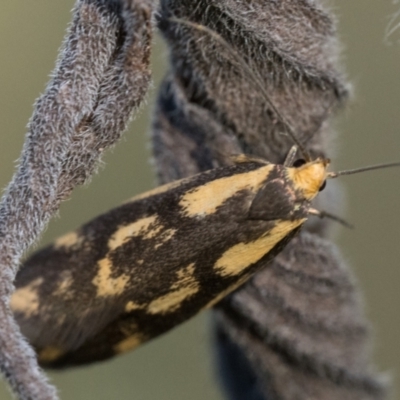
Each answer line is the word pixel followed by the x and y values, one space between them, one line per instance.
pixel 310 177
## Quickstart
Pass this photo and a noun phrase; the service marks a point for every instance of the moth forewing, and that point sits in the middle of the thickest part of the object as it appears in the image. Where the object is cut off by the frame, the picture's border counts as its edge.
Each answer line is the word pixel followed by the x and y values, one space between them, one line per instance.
pixel 140 269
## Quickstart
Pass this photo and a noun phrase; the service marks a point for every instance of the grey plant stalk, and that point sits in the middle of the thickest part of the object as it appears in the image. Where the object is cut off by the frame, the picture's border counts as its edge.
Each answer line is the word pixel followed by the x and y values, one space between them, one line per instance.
pixel 101 76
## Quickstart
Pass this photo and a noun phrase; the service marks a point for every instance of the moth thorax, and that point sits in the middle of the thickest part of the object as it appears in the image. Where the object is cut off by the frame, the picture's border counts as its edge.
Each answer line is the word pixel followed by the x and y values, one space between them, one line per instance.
pixel 309 177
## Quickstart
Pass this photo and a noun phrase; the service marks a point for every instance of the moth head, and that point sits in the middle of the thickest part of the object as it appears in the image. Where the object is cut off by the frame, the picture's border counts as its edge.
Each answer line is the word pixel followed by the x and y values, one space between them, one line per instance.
pixel 309 178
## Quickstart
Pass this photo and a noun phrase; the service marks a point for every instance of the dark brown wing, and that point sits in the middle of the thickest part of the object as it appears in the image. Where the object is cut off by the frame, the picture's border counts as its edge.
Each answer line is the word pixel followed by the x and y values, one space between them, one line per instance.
pixel 140 269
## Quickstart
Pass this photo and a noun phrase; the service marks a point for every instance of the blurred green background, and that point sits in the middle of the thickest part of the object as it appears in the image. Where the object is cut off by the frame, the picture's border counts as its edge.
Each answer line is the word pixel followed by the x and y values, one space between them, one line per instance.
pixel 178 365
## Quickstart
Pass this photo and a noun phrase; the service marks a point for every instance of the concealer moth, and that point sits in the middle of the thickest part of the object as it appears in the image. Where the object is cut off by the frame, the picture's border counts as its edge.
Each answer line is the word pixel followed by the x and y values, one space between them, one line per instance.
pixel 152 263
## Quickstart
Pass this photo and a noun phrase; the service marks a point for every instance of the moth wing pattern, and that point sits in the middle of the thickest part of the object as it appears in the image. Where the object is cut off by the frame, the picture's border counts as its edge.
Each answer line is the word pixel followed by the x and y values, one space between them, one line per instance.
pixel 140 269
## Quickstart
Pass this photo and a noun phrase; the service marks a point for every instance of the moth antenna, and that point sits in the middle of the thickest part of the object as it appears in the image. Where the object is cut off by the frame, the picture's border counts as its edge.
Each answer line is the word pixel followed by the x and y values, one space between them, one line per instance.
pixel 239 59
pixel 362 169
pixel 290 157
pixel 324 214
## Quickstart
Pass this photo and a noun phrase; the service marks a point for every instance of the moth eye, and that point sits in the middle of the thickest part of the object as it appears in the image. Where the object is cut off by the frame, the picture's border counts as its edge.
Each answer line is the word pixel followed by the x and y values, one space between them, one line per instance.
pixel 298 163
pixel 322 186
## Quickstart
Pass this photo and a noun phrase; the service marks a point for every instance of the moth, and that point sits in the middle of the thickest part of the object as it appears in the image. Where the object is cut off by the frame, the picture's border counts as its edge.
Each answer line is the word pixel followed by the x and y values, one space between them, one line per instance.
pixel 152 263
pixel 143 268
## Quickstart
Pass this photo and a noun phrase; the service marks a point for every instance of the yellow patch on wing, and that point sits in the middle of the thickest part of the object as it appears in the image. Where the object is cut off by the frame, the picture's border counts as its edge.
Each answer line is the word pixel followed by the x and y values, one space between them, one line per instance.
pixel 105 283
pixel 185 287
pixel 132 306
pixel 125 232
pixel 67 281
pixel 49 354
pixel 309 177
pixel 26 299
pixel 240 256
pixel 205 199
pixel 68 240
pixel 129 343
